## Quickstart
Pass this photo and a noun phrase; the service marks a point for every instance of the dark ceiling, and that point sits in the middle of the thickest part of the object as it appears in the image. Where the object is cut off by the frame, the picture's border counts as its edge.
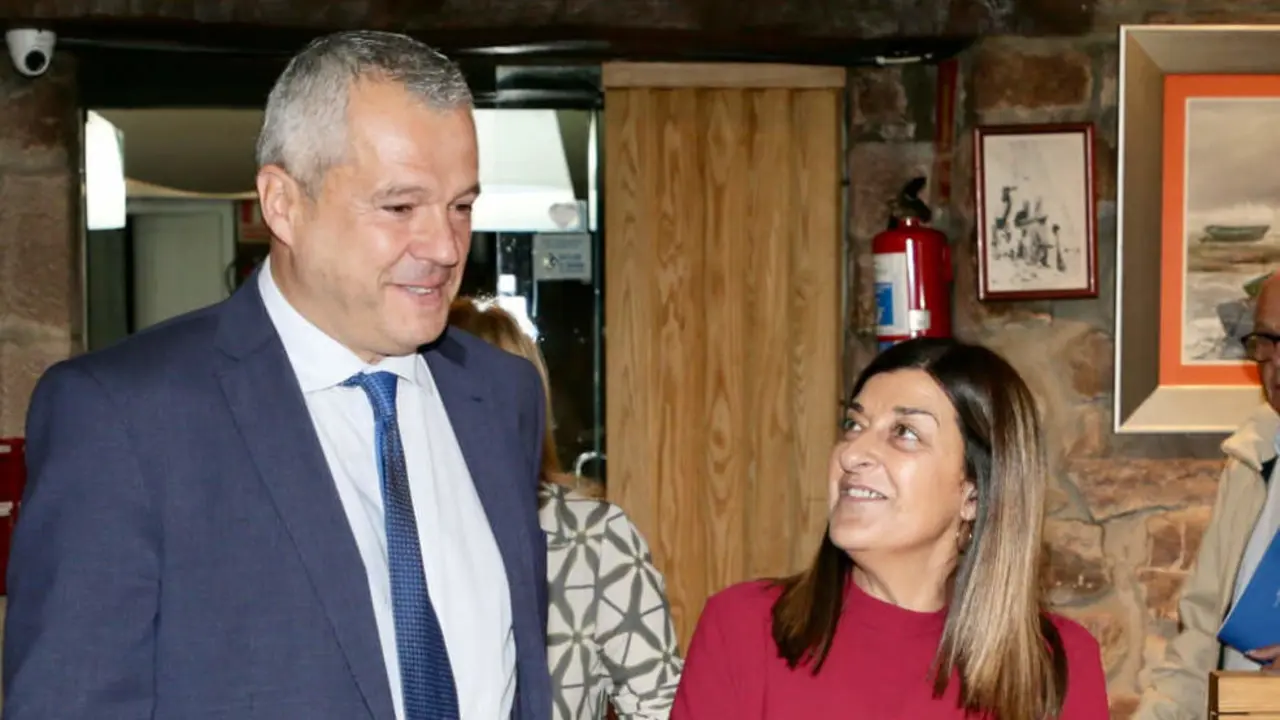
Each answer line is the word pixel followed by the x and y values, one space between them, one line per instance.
pixel 832 32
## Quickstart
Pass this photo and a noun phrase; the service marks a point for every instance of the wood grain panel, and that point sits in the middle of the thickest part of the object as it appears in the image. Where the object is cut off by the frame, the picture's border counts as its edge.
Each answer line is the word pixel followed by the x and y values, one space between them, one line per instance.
pixel 816 264
pixel 630 312
pixel 771 226
pixel 722 294
pixel 727 414
pixel 1244 695
pixel 719 75
pixel 678 251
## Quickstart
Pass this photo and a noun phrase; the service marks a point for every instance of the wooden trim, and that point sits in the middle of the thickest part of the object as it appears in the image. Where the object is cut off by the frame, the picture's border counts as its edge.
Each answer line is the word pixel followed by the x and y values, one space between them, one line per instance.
pixel 721 75
pixel 1243 695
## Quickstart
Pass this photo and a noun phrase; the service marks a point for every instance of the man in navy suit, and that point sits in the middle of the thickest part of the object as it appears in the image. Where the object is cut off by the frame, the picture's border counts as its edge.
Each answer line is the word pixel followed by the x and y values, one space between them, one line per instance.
pixel 309 501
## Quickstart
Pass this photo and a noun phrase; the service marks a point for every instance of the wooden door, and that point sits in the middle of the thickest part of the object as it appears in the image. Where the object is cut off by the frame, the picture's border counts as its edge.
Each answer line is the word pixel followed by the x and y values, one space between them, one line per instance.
pixel 722 303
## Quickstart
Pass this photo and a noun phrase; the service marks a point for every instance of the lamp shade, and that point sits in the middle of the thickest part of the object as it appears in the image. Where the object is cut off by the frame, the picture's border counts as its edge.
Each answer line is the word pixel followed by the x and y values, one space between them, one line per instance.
pixel 104 182
pixel 524 175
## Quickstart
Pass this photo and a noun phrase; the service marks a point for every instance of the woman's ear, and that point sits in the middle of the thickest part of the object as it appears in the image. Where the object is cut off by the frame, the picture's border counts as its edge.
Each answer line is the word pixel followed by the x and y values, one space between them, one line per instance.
pixel 969 507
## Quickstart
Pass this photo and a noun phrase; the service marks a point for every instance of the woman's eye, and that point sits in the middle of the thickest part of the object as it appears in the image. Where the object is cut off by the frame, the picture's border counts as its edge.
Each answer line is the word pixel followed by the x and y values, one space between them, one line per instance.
pixel 399 209
pixel 905 432
pixel 849 425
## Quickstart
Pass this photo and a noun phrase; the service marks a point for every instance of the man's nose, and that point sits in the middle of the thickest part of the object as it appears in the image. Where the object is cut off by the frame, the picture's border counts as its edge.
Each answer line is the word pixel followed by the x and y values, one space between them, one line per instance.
pixel 435 239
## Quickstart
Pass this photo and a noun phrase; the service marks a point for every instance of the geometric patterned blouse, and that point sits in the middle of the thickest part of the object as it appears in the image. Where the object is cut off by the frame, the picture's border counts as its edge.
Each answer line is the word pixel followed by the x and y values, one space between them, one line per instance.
pixel 610 638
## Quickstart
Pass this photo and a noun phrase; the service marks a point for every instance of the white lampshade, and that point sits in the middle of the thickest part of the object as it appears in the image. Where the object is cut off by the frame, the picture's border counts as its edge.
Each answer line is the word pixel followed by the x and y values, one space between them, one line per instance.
pixel 523 172
pixel 105 196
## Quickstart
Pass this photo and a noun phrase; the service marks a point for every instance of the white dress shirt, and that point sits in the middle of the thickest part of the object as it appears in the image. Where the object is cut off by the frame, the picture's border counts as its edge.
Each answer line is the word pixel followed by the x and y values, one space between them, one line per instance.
pixel 465 574
pixel 1264 530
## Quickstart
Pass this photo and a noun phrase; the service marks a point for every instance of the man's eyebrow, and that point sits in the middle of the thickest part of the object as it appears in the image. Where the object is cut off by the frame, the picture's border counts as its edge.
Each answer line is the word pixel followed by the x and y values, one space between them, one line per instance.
pixel 473 190
pixel 398 190
pixel 401 190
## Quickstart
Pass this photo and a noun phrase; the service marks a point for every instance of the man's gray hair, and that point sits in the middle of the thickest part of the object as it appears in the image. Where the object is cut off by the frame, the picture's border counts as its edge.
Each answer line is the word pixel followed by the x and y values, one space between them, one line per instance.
pixel 304 127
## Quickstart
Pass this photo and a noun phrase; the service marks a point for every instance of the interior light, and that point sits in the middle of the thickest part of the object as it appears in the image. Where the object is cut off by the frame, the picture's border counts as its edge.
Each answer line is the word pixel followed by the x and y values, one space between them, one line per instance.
pixel 105 196
pixel 593 192
pixel 523 171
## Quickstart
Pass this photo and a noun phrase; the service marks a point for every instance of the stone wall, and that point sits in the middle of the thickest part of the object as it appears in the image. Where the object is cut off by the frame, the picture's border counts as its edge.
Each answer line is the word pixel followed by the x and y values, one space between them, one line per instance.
pixel 40 307
pixel 1126 512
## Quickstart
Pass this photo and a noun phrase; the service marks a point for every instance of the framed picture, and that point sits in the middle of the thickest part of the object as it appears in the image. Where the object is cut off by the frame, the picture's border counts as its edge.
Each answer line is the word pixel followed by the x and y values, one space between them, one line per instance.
pixel 1198 222
pixel 1221 225
pixel 1037 236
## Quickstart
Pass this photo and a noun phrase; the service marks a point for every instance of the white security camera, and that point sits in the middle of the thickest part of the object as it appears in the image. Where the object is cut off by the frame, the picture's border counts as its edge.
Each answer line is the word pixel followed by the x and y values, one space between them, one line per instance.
pixel 30 49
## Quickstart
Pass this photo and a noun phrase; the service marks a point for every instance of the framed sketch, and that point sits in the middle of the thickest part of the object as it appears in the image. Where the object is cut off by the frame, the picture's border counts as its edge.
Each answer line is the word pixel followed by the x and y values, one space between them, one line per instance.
pixel 1035 203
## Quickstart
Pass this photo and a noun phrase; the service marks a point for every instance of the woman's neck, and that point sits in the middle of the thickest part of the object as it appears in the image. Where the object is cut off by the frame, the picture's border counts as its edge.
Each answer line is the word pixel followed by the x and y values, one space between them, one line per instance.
pixel 903 585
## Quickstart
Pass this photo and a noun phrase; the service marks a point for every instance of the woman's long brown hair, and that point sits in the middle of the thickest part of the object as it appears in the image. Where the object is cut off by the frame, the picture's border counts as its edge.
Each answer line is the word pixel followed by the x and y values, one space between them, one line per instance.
pixel 997 641
pixel 489 322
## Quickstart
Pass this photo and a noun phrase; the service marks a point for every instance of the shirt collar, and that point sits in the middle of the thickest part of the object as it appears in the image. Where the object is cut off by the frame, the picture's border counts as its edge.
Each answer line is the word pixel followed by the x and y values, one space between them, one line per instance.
pixel 319 361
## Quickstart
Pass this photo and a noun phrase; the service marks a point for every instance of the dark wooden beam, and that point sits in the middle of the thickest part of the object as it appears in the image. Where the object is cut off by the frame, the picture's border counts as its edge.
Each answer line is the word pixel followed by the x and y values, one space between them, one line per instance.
pixel 137 65
pixel 808 30
pixel 513 45
pixel 832 18
pixel 117 77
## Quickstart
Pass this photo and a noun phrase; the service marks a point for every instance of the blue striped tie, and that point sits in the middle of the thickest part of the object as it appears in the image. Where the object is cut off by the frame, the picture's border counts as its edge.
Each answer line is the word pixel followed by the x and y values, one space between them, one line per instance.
pixel 425 674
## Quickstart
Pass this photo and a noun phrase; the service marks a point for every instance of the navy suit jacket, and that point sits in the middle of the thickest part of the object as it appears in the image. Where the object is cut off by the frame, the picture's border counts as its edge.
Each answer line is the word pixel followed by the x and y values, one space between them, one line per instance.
pixel 181 551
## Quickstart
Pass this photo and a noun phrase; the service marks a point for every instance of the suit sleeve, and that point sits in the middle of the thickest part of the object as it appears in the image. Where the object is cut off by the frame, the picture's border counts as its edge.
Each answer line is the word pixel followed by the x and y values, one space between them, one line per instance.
pixel 1179 686
pixel 84 571
pixel 536 427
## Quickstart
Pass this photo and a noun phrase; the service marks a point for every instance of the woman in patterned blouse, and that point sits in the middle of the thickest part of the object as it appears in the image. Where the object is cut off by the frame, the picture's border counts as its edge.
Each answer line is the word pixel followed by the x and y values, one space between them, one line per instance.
pixel 610 639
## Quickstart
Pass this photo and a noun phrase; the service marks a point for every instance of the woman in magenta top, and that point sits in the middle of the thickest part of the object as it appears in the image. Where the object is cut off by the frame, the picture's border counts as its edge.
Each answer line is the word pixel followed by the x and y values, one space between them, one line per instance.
pixel 923 602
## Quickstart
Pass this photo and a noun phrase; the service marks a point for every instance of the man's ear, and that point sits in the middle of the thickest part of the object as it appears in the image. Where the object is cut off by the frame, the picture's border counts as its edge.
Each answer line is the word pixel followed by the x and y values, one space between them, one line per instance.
pixel 969 508
pixel 281 199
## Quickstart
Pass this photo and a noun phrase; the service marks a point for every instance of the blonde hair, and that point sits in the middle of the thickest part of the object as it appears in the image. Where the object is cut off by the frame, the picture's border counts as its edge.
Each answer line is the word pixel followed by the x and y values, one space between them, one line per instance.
pixel 488 321
pixel 997 640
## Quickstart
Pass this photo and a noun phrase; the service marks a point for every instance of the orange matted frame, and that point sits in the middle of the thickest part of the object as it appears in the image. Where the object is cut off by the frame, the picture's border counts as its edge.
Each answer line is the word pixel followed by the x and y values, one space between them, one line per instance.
pixel 1178 89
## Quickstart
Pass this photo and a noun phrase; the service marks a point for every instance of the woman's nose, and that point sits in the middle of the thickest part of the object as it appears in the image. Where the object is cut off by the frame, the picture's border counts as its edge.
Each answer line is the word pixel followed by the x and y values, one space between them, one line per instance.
pixel 857 452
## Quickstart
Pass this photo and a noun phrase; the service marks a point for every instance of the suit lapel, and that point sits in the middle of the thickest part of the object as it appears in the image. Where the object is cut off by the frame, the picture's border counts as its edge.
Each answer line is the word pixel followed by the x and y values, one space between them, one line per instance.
pixel 467 401
pixel 266 402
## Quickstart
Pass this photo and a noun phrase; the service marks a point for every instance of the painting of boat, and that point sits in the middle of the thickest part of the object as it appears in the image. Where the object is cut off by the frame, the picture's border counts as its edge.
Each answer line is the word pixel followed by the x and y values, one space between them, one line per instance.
pixel 1234 233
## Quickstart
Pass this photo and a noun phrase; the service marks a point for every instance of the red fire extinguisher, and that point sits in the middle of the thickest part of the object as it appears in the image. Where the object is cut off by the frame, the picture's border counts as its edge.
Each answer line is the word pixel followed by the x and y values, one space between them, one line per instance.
pixel 912 273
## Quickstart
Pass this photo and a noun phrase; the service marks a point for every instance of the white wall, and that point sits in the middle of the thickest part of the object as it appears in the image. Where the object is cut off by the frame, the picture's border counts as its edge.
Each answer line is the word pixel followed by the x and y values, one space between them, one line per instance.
pixel 182 250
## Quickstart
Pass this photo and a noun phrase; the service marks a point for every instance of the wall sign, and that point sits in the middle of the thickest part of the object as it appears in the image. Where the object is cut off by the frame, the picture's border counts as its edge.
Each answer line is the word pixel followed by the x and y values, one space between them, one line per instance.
pixel 562 256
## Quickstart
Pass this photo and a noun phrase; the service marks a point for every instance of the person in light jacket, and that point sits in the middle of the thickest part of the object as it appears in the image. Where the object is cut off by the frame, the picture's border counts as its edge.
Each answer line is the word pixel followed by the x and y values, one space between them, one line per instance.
pixel 1246 516
pixel 610 637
